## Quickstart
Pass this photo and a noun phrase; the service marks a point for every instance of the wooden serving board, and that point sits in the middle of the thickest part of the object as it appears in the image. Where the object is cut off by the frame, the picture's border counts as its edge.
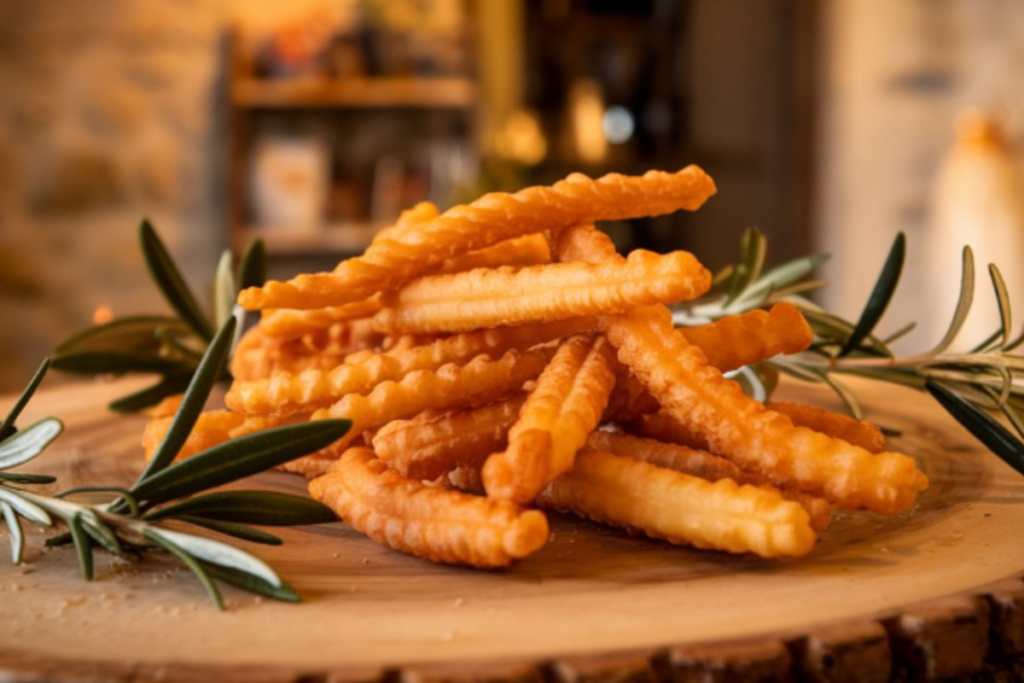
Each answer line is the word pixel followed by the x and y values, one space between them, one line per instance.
pixel 912 596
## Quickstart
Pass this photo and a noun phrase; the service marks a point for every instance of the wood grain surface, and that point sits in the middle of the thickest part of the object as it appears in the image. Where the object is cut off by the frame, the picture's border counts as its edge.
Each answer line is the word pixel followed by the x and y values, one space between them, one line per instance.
pixel 935 593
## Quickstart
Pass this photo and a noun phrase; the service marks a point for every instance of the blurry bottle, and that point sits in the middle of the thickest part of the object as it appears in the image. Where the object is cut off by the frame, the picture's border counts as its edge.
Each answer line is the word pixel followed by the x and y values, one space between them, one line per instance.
pixel 978 201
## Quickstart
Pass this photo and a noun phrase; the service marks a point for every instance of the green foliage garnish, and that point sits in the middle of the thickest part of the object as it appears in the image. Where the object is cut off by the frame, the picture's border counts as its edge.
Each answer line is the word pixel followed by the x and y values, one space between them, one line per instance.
pixel 132 520
pixel 968 385
pixel 168 346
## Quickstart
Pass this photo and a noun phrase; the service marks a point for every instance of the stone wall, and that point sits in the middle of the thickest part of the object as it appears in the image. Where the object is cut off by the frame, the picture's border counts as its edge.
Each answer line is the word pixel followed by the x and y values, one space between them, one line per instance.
pixel 109 111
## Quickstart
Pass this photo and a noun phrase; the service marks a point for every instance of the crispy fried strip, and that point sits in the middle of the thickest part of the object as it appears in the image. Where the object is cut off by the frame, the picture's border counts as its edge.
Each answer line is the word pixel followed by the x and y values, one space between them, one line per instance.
pixel 434 443
pixel 704 465
pixel 406 254
pixel 477 383
pixel 420 213
pixel 563 408
pixel 258 356
pixel 737 340
pixel 858 432
pixel 737 427
pixel 528 250
pixel 287 323
pixel 504 296
pixel 679 508
pixel 438 524
pixel 285 393
pixel 212 428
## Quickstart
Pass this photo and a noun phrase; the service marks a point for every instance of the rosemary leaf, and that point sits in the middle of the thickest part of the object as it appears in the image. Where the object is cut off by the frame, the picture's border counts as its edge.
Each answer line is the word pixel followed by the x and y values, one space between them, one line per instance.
pixel 83 546
pixel 238 458
pixel 171 283
pixel 7 426
pixel 25 508
pixel 206 375
pixel 250 583
pixel 21 478
pixel 158 539
pixel 114 362
pixel 223 290
pixel 252 266
pixel 982 425
pixel 1003 301
pixel 132 333
pixel 250 507
pixel 171 384
pixel 880 297
pixel 29 442
pixel 217 553
pixel 753 249
pixel 17 535
pixel 242 531
pixel 963 304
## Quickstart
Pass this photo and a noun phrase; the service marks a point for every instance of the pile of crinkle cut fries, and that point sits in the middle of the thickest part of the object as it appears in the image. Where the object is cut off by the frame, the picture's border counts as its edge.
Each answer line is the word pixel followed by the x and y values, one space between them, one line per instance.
pixel 501 359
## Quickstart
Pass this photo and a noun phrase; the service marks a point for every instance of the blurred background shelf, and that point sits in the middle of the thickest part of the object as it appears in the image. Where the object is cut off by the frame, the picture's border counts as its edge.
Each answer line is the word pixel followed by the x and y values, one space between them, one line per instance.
pixel 335 239
pixel 354 92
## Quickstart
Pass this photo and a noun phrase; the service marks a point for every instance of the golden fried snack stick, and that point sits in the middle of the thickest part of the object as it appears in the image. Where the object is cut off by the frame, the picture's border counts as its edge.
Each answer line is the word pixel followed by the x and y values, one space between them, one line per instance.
pixel 439 524
pixel 477 383
pixel 737 340
pixel 858 432
pixel 680 508
pixel 702 464
pixel 563 408
pixel 258 356
pixel 737 427
pixel 509 296
pixel 434 443
pixel 287 323
pixel 496 217
pixel 212 428
pixel 528 250
pixel 286 393
pixel 420 213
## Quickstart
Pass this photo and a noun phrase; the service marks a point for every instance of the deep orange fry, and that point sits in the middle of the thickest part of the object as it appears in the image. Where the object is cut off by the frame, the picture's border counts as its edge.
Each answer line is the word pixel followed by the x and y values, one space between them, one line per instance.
pixel 434 443
pixel 680 508
pixel 737 340
pixel 258 356
pixel 438 524
pixel 509 296
pixel 563 408
pixel 388 263
pixel 858 432
pixel 286 393
pixel 287 323
pixel 528 250
pixel 739 428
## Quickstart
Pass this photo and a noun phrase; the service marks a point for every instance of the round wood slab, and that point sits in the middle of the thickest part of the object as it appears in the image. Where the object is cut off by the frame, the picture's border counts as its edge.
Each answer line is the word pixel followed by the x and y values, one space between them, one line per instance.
pixel 912 596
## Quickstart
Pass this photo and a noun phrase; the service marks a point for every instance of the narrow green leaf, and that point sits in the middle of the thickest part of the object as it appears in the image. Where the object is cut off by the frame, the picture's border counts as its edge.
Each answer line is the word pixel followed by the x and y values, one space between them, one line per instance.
pixel 169 385
pixel 115 362
pixel 206 375
pixel 1011 412
pixel 223 290
pixel 250 583
pixel 238 458
pixel 17 535
pixel 845 395
pixel 29 442
pixel 881 295
pixel 242 531
pixel 899 334
pixel 157 538
pixel 753 249
pixel 21 478
pixel 252 267
pixel 83 546
pixel 780 278
pixel 963 304
pixel 1003 301
pixel 982 425
pixel 175 343
pixel 7 426
pixel 218 553
pixel 250 507
pixel 120 493
pixel 172 285
pixel 25 508
pixel 133 333
pixel 99 532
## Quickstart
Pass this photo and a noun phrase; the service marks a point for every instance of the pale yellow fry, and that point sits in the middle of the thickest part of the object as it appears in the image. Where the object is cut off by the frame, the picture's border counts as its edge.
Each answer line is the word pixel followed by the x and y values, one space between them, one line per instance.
pixel 680 508
pixel 286 393
pixel 434 443
pixel 509 296
pixel 439 524
pixel 702 464
pixel 739 428
pixel 476 383
pixel 388 263
pixel 563 408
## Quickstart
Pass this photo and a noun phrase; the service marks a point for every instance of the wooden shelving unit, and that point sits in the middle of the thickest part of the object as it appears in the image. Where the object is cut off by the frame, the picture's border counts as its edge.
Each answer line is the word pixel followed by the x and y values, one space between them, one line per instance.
pixel 428 93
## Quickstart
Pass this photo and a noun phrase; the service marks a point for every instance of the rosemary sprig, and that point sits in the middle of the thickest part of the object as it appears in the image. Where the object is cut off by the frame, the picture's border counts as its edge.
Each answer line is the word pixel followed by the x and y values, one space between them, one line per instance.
pixel 169 346
pixel 969 385
pixel 133 520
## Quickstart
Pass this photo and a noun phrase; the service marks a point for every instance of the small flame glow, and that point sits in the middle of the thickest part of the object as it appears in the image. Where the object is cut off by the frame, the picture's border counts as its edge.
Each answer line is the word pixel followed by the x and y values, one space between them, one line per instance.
pixel 102 314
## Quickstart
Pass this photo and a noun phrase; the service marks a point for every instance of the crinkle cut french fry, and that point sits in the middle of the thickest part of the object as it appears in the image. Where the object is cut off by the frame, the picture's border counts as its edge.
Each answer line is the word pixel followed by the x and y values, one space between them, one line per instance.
pixel 858 432
pixel 388 263
pixel 434 443
pixel 420 213
pixel 737 340
pixel 742 429
pixel 258 356
pixel 679 508
pixel 563 408
pixel 476 383
pixel 528 250
pixel 439 524
pixel 287 323
pixel 286 393
pixel 509 296
pixel 702 464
